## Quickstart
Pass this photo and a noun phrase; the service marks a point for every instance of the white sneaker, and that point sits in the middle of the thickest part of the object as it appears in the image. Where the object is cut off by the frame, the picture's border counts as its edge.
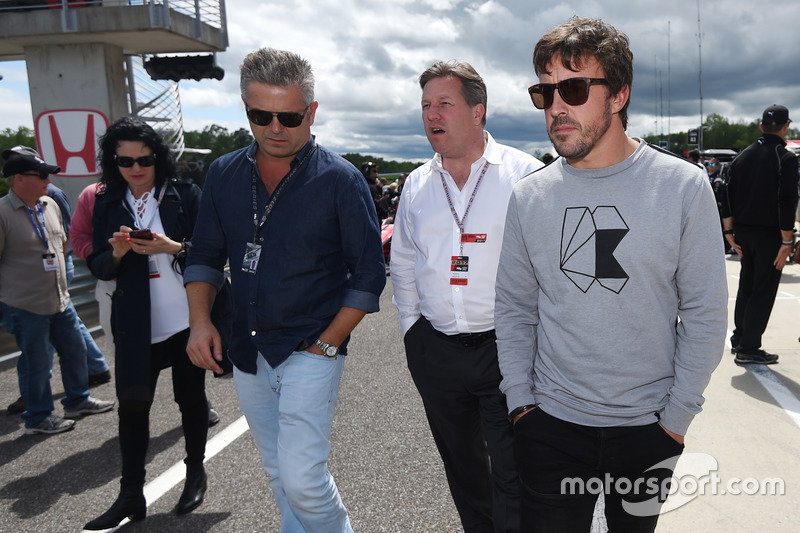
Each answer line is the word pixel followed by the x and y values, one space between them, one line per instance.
pixel 91 406
pixel 51 425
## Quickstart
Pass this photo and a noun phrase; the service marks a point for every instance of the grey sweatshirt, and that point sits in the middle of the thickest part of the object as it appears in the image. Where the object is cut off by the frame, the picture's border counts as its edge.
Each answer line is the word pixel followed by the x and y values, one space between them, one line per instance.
pixel 611 304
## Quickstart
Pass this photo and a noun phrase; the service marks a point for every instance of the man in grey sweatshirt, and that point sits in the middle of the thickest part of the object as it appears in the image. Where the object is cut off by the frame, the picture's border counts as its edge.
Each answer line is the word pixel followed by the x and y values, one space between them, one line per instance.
pixel 611 298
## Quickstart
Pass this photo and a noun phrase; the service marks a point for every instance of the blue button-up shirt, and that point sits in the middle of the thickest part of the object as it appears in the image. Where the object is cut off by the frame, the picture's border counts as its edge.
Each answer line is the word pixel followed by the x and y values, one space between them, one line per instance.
pixel 321 250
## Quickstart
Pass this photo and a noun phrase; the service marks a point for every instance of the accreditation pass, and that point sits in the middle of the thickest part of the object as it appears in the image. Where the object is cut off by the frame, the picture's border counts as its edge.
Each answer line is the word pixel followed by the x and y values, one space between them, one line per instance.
pixel 459 270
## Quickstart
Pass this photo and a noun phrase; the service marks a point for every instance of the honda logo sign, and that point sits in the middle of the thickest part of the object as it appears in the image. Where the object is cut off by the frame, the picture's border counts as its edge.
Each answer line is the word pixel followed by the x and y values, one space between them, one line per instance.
pixel 68 138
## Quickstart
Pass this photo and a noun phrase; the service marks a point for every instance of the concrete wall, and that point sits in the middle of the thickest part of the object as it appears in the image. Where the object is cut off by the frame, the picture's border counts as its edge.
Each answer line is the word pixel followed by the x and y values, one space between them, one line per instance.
pixel 88 77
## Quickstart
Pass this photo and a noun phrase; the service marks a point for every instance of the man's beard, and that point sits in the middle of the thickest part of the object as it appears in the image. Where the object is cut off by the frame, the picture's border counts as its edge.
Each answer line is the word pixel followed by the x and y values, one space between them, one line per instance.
pixel 588 135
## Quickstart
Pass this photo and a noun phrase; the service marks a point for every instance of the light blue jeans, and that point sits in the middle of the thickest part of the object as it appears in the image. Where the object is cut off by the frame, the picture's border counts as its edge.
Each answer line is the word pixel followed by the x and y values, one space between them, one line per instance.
pixel 95 361
pixel 34 333
pixel 290 411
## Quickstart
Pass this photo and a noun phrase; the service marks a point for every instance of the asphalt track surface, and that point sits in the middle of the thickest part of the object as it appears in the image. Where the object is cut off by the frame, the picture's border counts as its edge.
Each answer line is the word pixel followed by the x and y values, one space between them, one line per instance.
pixel 383 457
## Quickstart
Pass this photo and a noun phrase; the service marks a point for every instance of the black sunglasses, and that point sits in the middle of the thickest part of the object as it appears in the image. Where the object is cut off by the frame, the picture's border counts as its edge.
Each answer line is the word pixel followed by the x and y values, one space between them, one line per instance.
pixel 287 119
pixel 128 162
pixel 40 176
pixel 574 91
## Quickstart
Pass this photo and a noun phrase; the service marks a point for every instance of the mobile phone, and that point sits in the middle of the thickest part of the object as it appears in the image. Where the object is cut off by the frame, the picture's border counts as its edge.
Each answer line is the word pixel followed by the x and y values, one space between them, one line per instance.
pixel 141 234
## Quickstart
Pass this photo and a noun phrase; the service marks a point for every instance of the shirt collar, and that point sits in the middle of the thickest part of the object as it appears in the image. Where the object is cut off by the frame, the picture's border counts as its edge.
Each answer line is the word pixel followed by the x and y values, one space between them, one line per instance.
pixel 253 148
pixel 16 201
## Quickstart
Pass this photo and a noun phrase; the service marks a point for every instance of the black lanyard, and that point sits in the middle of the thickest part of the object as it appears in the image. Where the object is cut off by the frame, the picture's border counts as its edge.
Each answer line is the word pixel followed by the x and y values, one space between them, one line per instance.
pixel 275 194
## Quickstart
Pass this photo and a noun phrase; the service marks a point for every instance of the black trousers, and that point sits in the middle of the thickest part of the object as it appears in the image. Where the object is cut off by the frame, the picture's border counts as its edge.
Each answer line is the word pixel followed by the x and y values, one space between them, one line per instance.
pixel 188 385
pixel 467 414
pixel 564 466
pixel 758 286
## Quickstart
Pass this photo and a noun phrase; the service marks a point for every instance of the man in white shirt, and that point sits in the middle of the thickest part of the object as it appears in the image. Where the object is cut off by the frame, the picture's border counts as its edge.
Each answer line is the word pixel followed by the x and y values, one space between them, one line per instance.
pixel 445 248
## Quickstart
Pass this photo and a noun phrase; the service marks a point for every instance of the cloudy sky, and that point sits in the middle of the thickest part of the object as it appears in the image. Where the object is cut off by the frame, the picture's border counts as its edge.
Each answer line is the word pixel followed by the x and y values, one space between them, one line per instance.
pixel 368 54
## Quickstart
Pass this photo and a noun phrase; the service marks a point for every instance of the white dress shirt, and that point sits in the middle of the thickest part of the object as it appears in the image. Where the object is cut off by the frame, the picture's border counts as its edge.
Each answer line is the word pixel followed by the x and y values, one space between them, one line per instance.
pixel 426 238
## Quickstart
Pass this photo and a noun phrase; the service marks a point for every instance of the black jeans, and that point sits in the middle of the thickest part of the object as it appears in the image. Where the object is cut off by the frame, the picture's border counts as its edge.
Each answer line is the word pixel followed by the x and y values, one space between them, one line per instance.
pixel 758 286
pixel 467 414
pixel 188 385
pixel 564 466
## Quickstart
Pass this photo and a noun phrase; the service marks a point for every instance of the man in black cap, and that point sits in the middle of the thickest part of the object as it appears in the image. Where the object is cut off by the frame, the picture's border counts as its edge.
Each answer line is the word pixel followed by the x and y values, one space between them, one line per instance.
pixel 33 286
pixel 98 369
pixel 758 221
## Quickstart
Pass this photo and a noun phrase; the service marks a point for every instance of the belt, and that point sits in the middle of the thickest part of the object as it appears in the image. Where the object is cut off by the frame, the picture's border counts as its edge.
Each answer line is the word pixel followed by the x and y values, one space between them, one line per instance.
pixel 472 339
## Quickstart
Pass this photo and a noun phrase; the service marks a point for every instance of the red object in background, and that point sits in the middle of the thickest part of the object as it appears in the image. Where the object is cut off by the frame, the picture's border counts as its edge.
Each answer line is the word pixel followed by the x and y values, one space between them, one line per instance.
pixel 387 228
pixel 56 4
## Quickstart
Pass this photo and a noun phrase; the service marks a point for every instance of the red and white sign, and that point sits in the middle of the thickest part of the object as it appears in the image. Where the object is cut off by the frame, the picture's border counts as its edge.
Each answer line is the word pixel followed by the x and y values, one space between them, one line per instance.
pixel 68 138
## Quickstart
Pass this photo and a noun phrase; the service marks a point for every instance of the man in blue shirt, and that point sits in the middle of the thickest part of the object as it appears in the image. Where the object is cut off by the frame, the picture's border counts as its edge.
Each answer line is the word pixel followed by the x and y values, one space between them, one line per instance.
pixel 297 224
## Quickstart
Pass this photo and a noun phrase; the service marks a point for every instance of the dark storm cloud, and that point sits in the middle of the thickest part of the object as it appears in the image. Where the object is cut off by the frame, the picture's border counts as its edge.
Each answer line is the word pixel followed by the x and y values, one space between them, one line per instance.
pixel 367 56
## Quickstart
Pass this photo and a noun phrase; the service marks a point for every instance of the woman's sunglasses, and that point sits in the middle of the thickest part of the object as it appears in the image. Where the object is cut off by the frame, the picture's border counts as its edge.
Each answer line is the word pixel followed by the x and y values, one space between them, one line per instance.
pixel 574 91
pixel 287 119
pixel 128 162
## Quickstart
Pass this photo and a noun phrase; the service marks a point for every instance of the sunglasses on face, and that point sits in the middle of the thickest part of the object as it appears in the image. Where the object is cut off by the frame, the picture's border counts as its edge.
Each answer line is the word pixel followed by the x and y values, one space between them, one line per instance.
pixel 128 162
pixel 40 176
pixel 287 119
pixel 574 91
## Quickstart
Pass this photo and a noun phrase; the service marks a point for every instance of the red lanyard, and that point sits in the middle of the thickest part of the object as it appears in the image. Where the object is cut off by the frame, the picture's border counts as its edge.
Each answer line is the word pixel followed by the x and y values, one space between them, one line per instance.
pixel 461 222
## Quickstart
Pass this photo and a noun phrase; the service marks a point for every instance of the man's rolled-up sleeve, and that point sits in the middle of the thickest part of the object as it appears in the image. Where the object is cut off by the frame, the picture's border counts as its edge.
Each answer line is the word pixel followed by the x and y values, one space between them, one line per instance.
pixel 361 244
pixel 207 254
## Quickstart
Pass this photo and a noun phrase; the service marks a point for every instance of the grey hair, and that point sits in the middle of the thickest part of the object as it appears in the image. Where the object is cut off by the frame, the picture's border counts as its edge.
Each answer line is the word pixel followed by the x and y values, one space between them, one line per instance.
pixel 280 68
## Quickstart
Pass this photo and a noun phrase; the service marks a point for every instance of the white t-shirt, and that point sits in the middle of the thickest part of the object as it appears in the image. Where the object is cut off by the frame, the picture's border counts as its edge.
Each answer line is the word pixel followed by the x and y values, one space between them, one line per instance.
pixel 169 308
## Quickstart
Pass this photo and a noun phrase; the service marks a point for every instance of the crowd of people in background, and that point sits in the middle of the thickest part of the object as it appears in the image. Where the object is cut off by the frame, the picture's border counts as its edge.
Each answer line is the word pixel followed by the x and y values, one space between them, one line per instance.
pixel 385 195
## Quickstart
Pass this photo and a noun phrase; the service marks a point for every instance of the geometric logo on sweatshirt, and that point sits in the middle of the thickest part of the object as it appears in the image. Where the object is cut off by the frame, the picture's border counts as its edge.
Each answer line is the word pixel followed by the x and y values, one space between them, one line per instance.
pixel 588 241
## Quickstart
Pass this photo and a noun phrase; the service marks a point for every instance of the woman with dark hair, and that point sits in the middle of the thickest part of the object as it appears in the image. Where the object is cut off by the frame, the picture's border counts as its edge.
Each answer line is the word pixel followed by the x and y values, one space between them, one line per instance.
pixel 142 224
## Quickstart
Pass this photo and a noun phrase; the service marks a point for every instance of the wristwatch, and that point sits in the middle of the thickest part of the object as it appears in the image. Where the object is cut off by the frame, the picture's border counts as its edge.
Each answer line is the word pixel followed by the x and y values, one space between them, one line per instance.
pixel 328 350
pixel 183 251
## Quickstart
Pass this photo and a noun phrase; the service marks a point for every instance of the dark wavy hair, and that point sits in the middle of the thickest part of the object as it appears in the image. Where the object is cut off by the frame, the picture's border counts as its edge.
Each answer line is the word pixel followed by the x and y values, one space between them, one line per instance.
pixel 580 38
pixel 133 129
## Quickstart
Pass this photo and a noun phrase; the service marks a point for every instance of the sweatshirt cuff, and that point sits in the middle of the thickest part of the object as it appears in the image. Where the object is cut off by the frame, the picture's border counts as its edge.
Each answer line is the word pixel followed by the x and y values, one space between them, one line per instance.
pixel 675 418
pixel 519 395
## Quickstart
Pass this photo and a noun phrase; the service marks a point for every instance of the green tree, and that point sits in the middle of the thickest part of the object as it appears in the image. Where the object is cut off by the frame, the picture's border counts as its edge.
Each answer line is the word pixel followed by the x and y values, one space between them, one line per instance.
pixel 215 138
pixel 22 135
pixel 719 132
pixel 9 138
pixel 385 167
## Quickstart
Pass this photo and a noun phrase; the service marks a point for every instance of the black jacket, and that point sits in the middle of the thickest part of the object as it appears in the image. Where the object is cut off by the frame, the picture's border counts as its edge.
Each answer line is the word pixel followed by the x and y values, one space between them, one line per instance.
pixel 762 187
pixel 130 307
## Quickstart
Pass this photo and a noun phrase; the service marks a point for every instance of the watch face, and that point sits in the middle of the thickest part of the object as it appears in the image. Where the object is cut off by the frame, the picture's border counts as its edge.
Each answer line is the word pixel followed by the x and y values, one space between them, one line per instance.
pixel 331 351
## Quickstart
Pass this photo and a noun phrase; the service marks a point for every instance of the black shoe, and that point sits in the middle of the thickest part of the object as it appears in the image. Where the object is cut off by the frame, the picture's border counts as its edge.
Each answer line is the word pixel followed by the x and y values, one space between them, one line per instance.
pixel 193 490
pixel 213 417
pixel 128 505
pixel 99 379
pixel 17 407
pixel 755 357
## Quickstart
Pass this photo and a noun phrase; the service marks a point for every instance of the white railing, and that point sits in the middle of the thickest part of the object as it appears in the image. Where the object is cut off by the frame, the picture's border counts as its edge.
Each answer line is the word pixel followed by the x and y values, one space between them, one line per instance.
pixel 157 102
pixel 211 12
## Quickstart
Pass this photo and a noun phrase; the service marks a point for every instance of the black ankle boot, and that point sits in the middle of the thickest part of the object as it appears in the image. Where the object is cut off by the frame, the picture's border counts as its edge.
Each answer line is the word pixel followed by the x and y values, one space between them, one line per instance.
pixel 129 504
pixel 193 490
